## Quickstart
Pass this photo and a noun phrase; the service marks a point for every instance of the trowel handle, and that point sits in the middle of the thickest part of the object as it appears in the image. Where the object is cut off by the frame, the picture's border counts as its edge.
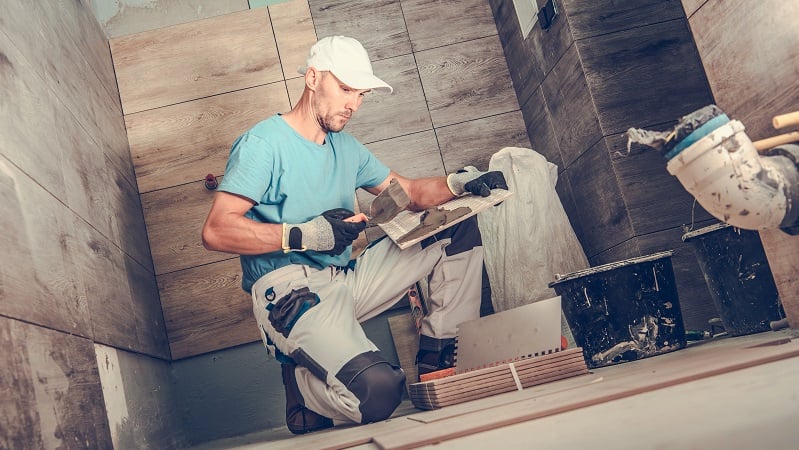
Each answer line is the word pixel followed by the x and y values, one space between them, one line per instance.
pixel 787 138
pixel 785 120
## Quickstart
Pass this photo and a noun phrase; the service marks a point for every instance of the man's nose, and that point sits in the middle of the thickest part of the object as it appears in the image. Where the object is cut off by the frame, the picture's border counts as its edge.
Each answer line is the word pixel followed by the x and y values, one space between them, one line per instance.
pixel 353 102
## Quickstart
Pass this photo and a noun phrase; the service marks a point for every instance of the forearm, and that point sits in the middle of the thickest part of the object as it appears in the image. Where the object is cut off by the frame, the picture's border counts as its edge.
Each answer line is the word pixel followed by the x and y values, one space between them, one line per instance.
pixel 237 234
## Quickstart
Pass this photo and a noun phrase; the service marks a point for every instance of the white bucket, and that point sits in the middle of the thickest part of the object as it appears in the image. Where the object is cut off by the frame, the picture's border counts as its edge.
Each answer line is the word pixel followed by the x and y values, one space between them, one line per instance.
pixel 727 176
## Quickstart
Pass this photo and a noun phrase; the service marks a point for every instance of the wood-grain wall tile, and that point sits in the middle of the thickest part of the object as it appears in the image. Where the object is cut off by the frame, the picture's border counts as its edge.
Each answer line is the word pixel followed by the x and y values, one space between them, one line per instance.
pixel 185 62
pixel 40 280
pixel 589 18
pixel 130 232
pixel 604 219
pixel 753 78
pixel 151 334
pixel 182 143
pixel 294 34
pixel 205 309
pixel 656 200
pixel 566 195
pixel 295 86
pixel 174 218
pixel 540 129
pixel 782 251
pixel 644 76
pixel 377 24
pixel 473 143
pixel 523 62
pixel 466 81
pixel 571 107
pixel 436 23
pixel 383 116
pixel 52 393
pixel 550 45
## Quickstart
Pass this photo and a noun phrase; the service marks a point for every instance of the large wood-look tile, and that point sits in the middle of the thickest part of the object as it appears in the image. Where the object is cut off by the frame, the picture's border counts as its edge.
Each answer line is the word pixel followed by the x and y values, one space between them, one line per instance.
pixel 782 251
pixel 656 200
pixel 147 310
pixel 550 45
pixel 41 282
pixel 383 116
pixel 566 195
pixel 750 53
pixel 129 228
pixel 436 23
pixel 52 392
pixel 571 107
pixel 466 81
pixel 523 60
pixel 540 129
pixel 644 76
pixel 185 62
pixel 377 24
pixel 473 143
pixel 69 70
pixel 205 309
pixel 589 18
pixel 691 6
pixel 294 34
pixel 175 218
pixel 182 143
pixel 604 219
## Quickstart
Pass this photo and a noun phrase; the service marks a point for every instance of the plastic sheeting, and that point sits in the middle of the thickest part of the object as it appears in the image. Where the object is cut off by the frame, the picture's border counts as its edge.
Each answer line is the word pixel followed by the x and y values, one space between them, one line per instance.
pixel 528 238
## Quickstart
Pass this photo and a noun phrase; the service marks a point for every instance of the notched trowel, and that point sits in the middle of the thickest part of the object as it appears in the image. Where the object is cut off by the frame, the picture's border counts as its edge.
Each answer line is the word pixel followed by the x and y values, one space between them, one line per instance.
pixel 390 202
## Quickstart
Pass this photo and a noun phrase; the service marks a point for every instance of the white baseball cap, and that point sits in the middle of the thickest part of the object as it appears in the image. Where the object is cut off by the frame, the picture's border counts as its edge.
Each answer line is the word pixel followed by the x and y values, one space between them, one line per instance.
pixel 346 58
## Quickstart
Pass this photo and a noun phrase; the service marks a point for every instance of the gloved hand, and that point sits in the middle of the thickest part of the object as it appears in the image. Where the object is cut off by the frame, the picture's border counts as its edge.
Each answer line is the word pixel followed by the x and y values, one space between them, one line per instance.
pixel 469 179
pixel 328 233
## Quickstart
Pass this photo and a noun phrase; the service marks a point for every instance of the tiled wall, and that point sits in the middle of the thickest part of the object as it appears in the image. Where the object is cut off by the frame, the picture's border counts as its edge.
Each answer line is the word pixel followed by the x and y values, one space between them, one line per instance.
pixel 605 66
pixel 77 272
pixel 750 51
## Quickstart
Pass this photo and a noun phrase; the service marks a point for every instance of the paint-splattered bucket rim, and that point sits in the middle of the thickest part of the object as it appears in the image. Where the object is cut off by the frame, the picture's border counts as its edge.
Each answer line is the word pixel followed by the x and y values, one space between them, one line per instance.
pixel 610 266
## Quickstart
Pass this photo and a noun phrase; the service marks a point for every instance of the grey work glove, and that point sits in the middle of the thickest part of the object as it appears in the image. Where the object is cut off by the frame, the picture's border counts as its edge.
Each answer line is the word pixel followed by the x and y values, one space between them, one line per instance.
pixel 328 233
pixel 473 181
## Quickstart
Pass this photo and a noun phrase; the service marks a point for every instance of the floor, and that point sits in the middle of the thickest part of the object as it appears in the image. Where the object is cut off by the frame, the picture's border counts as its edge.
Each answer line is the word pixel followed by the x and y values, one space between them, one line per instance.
pixel 727 392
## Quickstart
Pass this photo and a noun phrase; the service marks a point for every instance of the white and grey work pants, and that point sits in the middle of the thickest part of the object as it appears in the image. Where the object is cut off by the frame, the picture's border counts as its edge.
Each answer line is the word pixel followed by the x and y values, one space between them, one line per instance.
pixel 313 317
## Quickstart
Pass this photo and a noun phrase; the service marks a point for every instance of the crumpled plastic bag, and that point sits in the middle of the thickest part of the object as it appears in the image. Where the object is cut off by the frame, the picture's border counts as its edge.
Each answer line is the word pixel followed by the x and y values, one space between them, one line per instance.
pixel 528 238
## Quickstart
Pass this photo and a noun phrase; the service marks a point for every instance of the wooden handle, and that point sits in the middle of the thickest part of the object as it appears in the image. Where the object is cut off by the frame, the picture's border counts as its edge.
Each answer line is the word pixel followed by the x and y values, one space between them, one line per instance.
pixel 787 138
pixel 785 120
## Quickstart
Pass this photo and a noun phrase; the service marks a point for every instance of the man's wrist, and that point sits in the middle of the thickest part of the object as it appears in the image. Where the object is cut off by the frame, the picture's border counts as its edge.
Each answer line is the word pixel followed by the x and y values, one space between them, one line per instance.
pixel 292 239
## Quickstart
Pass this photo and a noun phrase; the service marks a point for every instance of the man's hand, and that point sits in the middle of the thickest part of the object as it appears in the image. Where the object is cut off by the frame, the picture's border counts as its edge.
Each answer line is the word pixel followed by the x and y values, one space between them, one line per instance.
pixel 329 233
pixel 471 180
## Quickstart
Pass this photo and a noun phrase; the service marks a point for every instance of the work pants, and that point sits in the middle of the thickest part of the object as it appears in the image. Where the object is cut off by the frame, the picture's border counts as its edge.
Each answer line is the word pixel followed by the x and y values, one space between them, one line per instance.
pixel 313 316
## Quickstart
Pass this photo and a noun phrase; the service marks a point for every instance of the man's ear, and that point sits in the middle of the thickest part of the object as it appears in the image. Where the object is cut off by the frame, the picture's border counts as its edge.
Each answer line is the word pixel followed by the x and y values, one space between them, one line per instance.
pixel 312 78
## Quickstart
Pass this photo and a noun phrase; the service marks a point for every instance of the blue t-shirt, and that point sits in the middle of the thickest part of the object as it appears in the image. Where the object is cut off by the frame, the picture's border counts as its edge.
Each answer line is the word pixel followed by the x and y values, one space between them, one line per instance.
pixel 293 180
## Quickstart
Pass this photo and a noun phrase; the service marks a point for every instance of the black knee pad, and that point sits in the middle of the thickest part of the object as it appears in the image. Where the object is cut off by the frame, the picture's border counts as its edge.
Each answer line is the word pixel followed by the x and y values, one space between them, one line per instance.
pixel 376 383
pixel 464 236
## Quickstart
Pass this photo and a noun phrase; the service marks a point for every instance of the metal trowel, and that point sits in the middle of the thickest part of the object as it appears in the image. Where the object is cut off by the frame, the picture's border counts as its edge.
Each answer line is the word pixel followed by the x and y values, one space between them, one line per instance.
pixel 390 202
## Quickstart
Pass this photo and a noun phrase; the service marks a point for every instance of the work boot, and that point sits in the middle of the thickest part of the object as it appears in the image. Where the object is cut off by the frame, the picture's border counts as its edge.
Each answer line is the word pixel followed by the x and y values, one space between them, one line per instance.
pixel 430 361
pixel 299 419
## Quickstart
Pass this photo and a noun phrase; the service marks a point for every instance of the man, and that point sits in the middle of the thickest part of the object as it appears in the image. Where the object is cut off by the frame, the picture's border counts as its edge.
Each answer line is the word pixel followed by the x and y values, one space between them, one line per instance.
pixel 285 205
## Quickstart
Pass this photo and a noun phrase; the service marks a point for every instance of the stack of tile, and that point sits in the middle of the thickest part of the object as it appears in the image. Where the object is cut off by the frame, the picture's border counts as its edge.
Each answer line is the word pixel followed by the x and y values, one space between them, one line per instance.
pixel 498 379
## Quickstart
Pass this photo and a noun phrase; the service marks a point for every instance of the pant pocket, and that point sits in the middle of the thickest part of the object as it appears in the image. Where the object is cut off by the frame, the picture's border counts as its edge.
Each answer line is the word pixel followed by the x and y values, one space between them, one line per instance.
pixel 284 313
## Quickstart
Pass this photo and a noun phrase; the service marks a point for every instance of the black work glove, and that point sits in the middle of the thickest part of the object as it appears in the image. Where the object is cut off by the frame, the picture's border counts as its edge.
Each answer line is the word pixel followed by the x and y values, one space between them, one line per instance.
pixel 328 233
pixel 471 180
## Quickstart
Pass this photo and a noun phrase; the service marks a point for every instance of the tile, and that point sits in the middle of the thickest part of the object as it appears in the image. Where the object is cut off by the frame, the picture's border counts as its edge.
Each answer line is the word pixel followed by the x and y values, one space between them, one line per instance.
pixel 174 219
pixel 384 116
pixel 466 81
pixel 564 190
pixel 295 86
pixel 589 18
pixel 523 60
pixel 436 23
pixel 691 6
pixel 603 216
pixel 199 59
pixel 181 143
pixel 125 17
pixel 571 107
pixel 644 76
pixel 377 24
pixel 751 76
pixel 205 309
pixel 473 143
pixel 294 34
pixel 540 129
pixel 549 46
pixel 655 199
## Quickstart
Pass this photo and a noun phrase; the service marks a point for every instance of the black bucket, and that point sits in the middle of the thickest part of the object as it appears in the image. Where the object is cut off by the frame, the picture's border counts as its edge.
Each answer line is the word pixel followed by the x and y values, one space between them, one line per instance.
pixel 624 310
pixel 738 276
